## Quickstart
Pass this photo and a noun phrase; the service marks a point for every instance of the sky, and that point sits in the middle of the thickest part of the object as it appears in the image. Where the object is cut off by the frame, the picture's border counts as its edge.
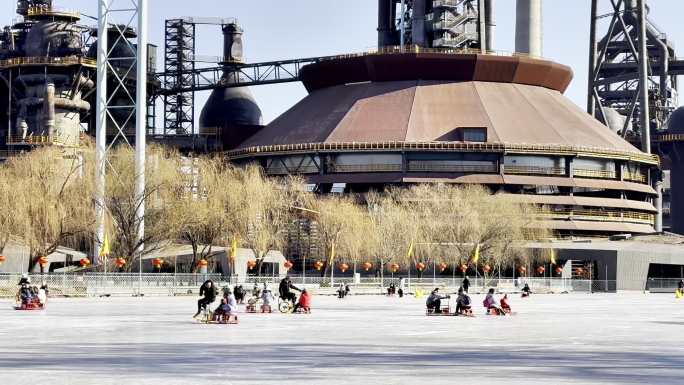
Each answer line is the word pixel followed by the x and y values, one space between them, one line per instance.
pixel 280 29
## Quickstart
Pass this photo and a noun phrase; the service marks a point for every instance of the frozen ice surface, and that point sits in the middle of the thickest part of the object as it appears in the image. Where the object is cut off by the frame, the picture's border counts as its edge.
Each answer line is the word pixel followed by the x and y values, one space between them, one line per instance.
pixel 626 338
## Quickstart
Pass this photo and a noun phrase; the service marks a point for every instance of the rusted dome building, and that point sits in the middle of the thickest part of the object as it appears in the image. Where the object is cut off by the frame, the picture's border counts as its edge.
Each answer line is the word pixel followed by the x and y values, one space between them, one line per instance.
pixel 381 119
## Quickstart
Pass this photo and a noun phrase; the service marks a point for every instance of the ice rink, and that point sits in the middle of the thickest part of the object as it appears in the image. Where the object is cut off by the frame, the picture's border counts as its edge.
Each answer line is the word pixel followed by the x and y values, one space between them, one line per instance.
pixel 622 338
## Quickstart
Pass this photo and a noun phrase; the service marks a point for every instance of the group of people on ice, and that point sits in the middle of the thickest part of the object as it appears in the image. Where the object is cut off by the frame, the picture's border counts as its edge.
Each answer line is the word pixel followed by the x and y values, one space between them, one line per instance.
pixel 227 309
pixel 492 305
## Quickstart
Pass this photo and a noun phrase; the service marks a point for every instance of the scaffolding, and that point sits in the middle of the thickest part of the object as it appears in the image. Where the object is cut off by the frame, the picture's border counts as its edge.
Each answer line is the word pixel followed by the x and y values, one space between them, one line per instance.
pixel 179 67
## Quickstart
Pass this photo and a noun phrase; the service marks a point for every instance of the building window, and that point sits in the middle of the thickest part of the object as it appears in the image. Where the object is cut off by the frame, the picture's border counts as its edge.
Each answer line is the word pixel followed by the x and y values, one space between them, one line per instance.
pixel 474 134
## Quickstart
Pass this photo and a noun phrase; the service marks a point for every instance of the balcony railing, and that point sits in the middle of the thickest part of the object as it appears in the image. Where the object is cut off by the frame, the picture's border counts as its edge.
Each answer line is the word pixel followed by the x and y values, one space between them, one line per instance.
pixel 462 168
pixel 536 170
pixel 343 168
pixel 56 61
pixel 589 173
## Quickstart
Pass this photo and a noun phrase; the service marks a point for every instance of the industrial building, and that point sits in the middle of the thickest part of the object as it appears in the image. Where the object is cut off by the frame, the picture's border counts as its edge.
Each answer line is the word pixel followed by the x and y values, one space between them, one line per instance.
pixel 434 103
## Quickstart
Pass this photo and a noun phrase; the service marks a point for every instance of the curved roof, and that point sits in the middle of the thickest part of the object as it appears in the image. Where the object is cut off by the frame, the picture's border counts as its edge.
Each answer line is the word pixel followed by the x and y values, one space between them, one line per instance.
pixel 445 66
pixel 434 111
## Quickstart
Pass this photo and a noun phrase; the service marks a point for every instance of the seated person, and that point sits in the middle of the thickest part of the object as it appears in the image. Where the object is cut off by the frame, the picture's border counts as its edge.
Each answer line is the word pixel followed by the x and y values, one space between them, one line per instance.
pixel 285 290
pixel 256 292
pixel 268 300
pixel 25 294
pixel 504 304
pixel 304 302
pixel 492 304
pixel 434 301
pixel 391 290
pixel 463 302
pixel 227 308
pixel 526 290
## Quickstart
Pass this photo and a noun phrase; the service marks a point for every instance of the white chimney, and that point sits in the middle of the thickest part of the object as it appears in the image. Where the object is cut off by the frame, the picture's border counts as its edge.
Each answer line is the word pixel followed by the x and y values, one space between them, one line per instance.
pixel 528 27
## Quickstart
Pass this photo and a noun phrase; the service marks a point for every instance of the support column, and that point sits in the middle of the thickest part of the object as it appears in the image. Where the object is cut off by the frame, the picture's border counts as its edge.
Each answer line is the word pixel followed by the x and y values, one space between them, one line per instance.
pixel 645 119
pixel 140 119
pixel 101 127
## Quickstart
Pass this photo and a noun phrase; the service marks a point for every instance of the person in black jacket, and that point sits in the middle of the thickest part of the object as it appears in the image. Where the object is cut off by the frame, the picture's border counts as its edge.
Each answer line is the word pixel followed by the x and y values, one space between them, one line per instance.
pixel 208 291
pixel 466 284
pixel 285 290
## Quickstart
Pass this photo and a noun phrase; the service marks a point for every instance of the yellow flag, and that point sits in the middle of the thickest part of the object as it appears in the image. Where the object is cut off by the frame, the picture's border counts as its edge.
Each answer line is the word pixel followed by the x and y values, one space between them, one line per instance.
pixel 233 250
pixel 410 250
pixel 553 256
pixel 476 254
pixel 105 250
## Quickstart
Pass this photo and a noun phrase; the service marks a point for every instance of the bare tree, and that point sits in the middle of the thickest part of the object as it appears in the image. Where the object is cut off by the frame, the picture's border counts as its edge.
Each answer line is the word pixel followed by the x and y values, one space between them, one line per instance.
pixel 165 183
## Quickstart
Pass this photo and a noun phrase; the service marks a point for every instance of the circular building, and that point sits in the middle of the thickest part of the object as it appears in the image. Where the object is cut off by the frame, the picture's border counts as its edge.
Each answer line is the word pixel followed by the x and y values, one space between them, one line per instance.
pixel 501 121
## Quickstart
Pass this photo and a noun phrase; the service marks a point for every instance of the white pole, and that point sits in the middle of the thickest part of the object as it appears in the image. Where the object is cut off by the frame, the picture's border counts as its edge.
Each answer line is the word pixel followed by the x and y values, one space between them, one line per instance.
pixel 402 26
pixel 101 125
pixel 140 124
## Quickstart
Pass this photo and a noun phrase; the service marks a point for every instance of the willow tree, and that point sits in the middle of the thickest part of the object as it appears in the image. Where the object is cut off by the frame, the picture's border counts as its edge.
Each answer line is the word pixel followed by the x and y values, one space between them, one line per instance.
pixel 165 182
pixel 392 229
pixel 10 223
pixel 197 213
pixel 260 209
pixel 340 220
pixel 52 206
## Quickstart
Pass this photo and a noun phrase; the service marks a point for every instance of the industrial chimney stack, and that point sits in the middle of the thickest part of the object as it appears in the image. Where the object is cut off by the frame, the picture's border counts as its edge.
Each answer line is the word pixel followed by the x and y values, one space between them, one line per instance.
pixel 528 27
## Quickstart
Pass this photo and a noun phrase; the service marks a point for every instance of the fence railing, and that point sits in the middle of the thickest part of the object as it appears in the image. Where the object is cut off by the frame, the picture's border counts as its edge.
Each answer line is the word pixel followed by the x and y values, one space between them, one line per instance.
pixel 99 284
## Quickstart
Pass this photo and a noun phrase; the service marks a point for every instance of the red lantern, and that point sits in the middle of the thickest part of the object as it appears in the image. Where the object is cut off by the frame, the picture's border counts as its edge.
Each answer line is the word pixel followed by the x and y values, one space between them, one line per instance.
pixel 158 262
pixel 2 259
pixel 442 266
pixel 84 262
pixel 522 270
pixel 463 268
pixel 318 265
pixel 394 267
pixel 202 263
pixel 288 265
pixel 120 262
pixel 43 261
pixel 541 270
pixel 344 267
pixel 251 264
pixel 580 271
pixel 559 270
pixel 487 268
pixel 420 266
pixel 367 266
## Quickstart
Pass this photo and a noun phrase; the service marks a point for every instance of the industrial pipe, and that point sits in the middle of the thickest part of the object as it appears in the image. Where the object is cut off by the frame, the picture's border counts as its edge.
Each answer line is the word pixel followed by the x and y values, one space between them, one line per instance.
pixel 50 109
pixel 490 21
pixel 528 27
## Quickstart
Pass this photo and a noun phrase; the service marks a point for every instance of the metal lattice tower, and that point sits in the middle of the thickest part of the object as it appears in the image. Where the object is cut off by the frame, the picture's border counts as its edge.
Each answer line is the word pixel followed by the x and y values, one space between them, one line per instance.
pixel 113 114
pixel 632 71
pixel 179 66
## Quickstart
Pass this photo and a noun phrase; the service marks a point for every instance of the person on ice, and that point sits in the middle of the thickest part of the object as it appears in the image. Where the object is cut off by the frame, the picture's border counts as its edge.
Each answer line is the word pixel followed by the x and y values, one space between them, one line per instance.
pixel 504 304
pixel 402 287
pixel 434 301
pixel 526 290
pixel 463 302
pixel 209 292
pixel 285 290
pixel 228 306
pixel 490 302
pixel 341 291
pixel 24 280
pixel 466 284
pixel 267 299
pixel 304 302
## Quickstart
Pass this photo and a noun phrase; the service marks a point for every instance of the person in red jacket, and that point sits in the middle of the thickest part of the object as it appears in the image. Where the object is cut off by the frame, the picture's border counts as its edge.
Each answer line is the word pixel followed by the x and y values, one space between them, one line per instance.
pixel 304 302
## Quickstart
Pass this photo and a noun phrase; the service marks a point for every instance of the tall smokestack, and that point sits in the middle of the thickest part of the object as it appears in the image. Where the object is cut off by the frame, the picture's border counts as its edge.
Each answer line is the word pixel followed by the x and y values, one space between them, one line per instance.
pixel 528 27
pixel 490 20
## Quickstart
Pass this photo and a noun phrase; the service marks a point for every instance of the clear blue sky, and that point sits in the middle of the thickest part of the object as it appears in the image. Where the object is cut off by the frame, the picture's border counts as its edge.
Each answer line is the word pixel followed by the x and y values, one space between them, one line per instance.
pixel 280 29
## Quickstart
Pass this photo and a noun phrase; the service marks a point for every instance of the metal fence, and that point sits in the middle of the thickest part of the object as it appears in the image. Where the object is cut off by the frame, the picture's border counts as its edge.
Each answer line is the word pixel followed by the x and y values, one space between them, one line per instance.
pixel 97 284
pixel 83 285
